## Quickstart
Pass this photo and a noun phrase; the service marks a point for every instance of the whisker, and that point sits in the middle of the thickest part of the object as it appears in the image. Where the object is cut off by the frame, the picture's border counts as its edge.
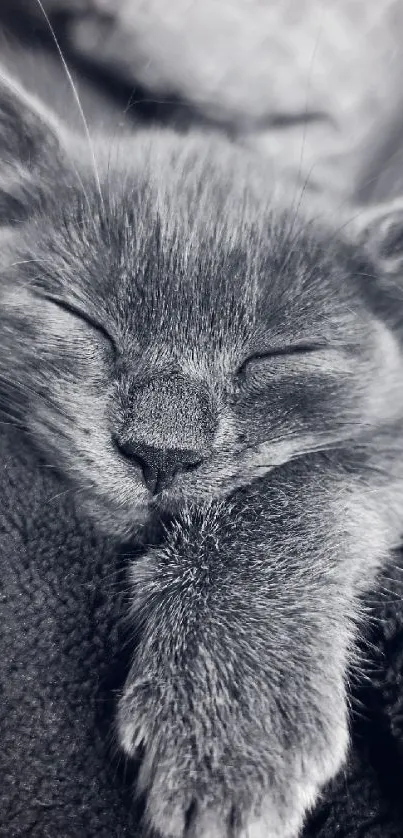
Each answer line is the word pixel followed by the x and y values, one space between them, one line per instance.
pixel 22 262
pixel 304 135
pixel 77 100
pixel 69 491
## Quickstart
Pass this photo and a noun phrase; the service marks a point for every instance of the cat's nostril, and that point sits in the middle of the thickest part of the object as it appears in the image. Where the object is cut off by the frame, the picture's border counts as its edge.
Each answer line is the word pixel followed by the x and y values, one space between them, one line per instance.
pixel 128 450
pixel 158 465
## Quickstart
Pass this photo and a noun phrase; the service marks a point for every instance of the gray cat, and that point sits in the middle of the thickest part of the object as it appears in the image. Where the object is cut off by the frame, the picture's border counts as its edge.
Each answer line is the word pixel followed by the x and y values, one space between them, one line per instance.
pixel 190 345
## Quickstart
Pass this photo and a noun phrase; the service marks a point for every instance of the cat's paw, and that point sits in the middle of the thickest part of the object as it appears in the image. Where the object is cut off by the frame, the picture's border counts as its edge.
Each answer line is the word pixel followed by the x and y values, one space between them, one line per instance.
pixel 217 775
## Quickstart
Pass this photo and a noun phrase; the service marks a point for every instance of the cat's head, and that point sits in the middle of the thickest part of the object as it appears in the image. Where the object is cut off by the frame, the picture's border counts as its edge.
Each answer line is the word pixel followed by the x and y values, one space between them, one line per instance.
pixel 171 328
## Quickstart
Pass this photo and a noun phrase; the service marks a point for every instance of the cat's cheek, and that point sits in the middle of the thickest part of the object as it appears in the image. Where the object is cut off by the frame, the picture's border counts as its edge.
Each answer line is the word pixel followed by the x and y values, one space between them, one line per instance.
pixel 110 494
pixel 117 503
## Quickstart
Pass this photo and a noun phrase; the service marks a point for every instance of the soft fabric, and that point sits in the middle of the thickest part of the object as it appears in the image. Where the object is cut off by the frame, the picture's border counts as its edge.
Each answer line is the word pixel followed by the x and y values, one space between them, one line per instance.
pixel 59 609
pixel 315 85
pixel 64 650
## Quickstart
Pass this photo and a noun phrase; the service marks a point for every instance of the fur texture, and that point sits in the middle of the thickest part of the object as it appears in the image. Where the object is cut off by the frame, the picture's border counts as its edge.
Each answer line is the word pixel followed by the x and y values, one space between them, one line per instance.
pixel 192 347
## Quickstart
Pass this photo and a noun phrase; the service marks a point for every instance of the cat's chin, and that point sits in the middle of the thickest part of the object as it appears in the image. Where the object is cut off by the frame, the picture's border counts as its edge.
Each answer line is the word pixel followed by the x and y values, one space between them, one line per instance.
pixel 120 523
pixel 171 503
pixel 130 521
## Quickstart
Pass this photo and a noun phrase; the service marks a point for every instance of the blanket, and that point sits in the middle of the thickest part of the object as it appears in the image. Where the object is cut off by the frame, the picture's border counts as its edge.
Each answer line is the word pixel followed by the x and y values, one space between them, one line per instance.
pixel 64 653
pixel 313 85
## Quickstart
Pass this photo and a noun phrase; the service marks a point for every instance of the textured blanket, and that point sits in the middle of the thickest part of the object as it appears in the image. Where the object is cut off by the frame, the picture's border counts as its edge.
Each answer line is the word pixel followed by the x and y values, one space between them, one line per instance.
pixel 64 651
pixel 314 85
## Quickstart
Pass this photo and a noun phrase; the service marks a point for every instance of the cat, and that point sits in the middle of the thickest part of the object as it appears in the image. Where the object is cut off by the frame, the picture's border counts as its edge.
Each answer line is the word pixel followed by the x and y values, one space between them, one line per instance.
pixel 193 344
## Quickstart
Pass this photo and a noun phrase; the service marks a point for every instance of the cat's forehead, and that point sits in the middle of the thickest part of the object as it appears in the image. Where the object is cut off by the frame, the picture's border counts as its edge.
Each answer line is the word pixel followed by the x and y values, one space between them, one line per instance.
pixel 186 259
pixel 217 263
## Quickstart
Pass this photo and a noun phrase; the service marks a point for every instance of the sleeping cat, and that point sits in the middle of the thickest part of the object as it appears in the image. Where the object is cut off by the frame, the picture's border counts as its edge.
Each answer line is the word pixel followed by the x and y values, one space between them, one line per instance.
pixel 191 345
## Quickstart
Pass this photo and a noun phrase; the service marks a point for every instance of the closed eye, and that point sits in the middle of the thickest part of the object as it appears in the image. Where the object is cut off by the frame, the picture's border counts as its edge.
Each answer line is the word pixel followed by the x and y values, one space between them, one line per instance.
pixel 281 351
pixel 84 316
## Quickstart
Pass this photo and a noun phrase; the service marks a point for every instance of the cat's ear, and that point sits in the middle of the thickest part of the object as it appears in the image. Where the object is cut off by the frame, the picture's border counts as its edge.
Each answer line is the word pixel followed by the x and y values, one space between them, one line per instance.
pixel 380 231
pixel 31 147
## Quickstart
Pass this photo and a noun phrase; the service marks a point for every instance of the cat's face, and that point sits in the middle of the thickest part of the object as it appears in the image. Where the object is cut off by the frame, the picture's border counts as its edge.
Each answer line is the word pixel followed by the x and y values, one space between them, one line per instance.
pixel 182 334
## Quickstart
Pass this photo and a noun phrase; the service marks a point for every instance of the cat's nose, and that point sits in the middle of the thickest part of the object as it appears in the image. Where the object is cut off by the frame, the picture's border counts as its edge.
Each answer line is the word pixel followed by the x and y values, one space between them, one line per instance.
pixel 159 465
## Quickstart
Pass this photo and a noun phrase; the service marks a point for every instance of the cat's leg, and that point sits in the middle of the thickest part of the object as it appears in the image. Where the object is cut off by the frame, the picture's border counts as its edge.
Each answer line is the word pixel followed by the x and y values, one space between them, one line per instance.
pixel 237 694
